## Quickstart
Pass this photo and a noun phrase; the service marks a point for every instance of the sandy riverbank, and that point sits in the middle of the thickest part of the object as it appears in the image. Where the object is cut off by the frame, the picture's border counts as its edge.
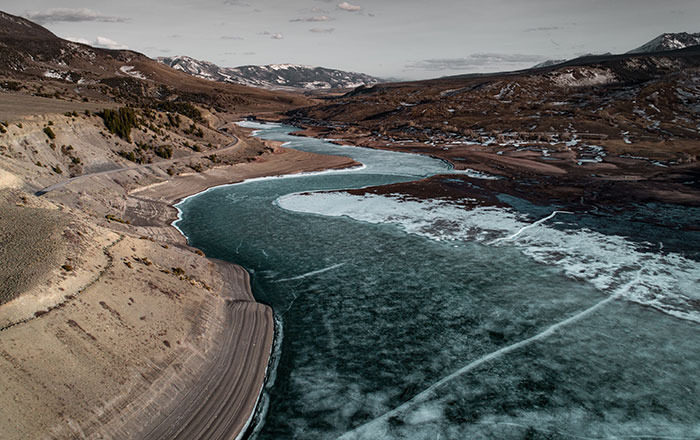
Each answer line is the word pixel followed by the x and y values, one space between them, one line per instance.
pixel 130 333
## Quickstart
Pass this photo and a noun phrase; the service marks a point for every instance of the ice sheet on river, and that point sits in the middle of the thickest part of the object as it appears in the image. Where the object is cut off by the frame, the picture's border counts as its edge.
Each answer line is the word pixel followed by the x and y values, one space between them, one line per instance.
pixel 666 281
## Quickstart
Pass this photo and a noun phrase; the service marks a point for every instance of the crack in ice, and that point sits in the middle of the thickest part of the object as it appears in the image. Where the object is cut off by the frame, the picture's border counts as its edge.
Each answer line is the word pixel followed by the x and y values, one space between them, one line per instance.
pixel 532 225
pixel 310 274
pixel 428 392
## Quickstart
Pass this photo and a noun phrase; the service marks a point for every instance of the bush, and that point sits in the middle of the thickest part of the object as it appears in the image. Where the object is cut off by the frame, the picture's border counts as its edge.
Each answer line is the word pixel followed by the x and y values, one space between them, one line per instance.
pixel 67 267
pixel 174 120
pixel 164 151
pixel 120 121
pixel 114 218
pixel 11 85
pixel 131 156
pixel 2 129
pixel 49 132
pixel 57 169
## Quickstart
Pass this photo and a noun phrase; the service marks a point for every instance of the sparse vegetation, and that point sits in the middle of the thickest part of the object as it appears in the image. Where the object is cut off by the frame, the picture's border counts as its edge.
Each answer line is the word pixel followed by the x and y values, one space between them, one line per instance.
pixel 11 85
pixel 194 130
pixel 183 108
pixel 49 132
pixel 57 169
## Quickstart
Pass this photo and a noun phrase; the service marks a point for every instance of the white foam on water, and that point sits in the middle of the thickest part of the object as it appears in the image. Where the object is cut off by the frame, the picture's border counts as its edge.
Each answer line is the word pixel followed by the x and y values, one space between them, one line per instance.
pixel 670 282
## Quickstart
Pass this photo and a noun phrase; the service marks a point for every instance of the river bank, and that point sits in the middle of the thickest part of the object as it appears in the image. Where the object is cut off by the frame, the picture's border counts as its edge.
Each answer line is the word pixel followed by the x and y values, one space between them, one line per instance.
pixel 136 332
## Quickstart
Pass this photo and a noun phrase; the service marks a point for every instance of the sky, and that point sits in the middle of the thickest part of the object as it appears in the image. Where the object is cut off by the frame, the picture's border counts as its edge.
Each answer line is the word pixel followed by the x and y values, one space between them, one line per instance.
pixel 407 39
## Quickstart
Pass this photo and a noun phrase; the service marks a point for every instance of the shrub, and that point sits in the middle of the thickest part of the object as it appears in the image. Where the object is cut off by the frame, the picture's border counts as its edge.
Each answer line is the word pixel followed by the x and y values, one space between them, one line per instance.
pixel 49 132
pixel 131 156
pixel 164 151
pixel 2 129
pixel 114 218
pixel 67 267
pixel 120 121
pixel 174 120
pixel 57 169
pixel 11 85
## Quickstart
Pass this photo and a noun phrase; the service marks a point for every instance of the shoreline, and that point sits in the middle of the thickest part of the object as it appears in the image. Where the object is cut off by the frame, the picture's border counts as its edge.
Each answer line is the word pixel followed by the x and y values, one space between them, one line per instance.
pixel 193 350
pixel 251 173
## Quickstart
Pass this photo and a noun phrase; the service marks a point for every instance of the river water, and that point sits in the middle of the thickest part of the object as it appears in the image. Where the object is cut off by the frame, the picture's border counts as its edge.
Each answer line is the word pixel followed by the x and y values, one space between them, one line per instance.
pixel 425 319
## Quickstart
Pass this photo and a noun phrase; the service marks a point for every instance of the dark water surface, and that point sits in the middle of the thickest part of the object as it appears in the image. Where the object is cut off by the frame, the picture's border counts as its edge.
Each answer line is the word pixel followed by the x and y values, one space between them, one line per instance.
pixel 385 303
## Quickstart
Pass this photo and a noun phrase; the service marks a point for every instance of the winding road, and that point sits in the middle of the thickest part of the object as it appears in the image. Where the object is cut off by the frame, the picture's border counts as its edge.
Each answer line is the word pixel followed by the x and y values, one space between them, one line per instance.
pixel 225 149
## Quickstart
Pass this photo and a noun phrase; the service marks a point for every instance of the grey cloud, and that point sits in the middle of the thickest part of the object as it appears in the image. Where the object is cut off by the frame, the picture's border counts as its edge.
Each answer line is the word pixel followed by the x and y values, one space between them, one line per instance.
pixel 71 15
pixel 322 30
pixel 345 6
pixel 273 35
pixel 478 60
pixel 315 19
pixel 237 3
pixel 543 29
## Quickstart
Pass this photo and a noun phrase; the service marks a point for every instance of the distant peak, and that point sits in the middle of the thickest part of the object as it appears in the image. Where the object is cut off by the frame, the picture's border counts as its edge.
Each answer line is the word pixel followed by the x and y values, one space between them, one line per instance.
pixel 669 41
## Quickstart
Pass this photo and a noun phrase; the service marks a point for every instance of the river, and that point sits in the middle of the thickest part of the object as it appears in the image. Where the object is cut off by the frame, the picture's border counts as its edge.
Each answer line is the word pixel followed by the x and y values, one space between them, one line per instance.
pixel 425 319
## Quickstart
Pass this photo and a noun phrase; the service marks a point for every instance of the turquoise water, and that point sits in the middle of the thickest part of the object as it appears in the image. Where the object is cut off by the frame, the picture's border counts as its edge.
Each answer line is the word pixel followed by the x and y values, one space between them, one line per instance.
pixel 423 319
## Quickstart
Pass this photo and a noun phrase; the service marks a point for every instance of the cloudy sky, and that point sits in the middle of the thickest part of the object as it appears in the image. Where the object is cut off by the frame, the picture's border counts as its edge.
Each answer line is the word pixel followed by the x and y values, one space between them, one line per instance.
pixel 409 39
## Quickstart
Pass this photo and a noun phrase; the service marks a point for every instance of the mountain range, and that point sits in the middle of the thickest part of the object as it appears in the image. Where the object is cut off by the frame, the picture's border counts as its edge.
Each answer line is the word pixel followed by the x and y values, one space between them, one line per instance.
pixel 662 43
pixel 273 76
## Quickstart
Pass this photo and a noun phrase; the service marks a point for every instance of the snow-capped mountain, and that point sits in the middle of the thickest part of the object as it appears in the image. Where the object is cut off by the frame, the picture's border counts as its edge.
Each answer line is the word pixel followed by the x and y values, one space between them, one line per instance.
pixel 548 63
pixel 666 42
pixel 273 76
